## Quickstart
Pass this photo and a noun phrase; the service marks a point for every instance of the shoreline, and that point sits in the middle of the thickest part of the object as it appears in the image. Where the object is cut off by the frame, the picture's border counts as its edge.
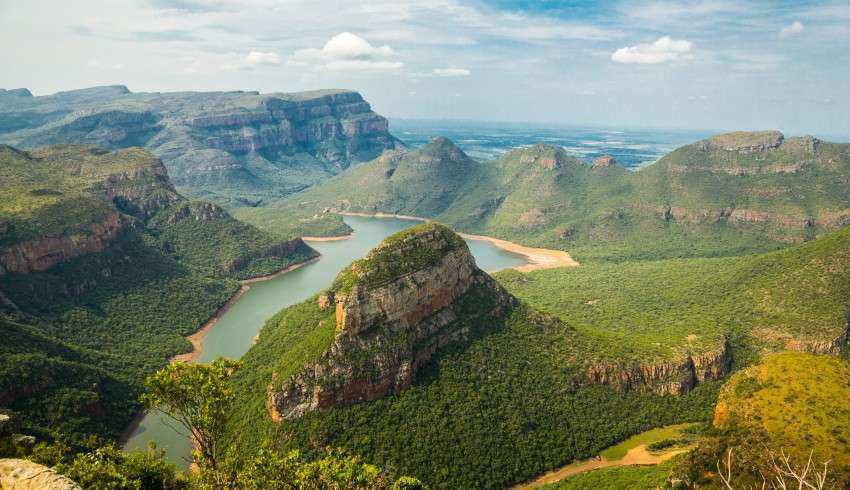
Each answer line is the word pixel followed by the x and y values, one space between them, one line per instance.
pixel 327 238
pixel 196 338
pixel 538 258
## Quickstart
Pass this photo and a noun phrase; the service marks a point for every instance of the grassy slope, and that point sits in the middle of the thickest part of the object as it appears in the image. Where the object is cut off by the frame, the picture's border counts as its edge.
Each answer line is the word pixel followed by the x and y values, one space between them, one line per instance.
pixel 642 310
pixel 601 213
pixel 790 402
pixel 129 305
pixel 798 401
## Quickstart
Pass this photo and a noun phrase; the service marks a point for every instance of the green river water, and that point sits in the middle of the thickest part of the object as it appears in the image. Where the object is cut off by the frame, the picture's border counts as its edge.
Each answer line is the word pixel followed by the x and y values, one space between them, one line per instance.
pixel 233 335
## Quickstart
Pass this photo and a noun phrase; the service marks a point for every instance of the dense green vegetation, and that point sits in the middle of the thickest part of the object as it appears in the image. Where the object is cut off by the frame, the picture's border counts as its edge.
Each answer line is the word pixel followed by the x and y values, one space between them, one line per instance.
pixel 505 408
pixel 634 311
pixel 699 201
pixel 85 332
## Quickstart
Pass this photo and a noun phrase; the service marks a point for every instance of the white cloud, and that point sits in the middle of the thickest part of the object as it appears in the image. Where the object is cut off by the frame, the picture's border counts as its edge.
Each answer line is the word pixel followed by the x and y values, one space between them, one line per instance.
pixel 257 58
pixel 795 27
pixel 347 51
pixel 664 49
pixel 452 72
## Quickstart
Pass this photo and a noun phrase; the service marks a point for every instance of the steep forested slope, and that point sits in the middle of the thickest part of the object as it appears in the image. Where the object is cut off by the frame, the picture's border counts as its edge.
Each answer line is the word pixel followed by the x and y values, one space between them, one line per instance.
pixel 105 263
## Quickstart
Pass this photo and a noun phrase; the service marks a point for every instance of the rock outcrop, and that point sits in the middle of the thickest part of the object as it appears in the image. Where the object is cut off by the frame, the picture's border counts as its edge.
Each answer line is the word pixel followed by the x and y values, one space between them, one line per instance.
pixel 604 161
pixel 544 156
pixel 44 253
pixel 416 293
pixel 20 474
pixel 675 377
pixel 744 141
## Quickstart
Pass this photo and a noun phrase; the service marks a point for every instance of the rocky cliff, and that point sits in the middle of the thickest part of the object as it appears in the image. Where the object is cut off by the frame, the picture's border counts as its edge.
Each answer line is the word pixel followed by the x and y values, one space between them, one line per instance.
pixel 416 293
pixel 675 377
pixel 20 474
pixel 220 145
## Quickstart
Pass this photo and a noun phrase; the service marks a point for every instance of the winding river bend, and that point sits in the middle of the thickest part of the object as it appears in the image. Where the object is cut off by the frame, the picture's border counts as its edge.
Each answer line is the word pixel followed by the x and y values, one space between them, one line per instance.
pixel 235 330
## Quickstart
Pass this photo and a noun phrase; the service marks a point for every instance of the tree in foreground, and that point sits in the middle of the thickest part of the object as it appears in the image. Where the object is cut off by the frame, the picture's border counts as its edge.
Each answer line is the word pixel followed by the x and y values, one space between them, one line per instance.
pixel 199 398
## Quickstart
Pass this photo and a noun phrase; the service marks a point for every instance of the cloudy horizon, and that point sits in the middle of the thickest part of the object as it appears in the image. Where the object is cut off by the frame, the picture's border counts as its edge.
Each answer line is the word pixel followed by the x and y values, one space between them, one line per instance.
pixel 701 64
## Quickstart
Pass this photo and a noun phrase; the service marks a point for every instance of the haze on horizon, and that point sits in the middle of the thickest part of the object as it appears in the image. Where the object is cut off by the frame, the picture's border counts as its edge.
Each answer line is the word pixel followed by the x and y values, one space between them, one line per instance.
pixel 704 64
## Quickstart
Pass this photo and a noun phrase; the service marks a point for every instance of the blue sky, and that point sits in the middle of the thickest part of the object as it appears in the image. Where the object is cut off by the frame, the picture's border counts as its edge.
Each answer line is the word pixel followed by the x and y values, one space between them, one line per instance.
pixel 705 64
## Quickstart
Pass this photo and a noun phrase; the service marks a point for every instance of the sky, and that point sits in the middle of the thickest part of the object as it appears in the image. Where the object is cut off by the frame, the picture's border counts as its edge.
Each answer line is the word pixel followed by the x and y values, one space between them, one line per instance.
pixel 697 64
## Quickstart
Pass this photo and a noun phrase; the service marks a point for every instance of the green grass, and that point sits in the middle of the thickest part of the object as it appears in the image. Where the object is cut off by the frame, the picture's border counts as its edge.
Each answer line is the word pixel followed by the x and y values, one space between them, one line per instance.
pixel 625 477
pixel 618 451
pixel 798 401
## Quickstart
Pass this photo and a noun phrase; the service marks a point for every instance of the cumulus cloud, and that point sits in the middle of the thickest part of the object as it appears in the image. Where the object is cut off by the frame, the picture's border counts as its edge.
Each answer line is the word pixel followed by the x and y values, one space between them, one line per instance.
pixel 347 51
pixel 452 72
pixel 664 49
pixel 795 27
pixel 257 58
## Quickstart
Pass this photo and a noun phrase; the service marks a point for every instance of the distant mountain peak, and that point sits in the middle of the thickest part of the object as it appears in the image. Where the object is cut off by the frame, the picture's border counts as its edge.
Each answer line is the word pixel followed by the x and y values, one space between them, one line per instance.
pixel 17 92
pixel 441 148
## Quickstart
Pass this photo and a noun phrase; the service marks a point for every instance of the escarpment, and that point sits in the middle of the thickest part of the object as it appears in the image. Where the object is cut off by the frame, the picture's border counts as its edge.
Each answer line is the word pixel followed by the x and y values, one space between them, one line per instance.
pixel 416 293
pixel 213 143
pixel 672 377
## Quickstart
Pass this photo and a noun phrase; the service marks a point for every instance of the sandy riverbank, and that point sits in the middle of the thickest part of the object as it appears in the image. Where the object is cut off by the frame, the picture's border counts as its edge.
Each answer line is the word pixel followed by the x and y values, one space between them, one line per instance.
pixel 538 258
pixel 326 238
pixel 637 456
pixel 197 337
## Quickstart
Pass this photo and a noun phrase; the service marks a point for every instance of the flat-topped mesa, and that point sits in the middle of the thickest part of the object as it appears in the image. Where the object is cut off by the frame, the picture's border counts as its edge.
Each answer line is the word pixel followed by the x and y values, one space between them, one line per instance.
pixel 542 155
pixel 744 141
pixel 414 294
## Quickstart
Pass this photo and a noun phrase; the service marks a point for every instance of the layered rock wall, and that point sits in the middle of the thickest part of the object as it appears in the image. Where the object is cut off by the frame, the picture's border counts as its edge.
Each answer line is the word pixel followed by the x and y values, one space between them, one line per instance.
pixel 675 377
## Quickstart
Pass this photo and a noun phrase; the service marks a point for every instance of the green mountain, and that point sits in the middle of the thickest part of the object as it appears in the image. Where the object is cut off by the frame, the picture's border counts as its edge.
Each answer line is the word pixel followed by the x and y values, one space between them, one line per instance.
pixel 727 195
pixel 488 384
pixel 232 148
pixel 104 268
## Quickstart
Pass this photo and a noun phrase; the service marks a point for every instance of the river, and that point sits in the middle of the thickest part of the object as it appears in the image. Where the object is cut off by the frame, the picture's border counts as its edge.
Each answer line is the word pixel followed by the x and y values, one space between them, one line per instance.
pixel 234 332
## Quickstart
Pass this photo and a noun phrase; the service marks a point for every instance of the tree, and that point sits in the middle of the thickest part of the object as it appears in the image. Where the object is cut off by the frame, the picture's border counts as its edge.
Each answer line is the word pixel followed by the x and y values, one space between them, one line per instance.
pixel 782 474
pixel 198 397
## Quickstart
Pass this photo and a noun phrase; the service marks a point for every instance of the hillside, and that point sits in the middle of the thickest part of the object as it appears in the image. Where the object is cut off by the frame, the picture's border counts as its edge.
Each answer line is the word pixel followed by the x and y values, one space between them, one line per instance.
pixel 232 148
pixel 586 357
pixel 727 195
pixel 791 403
pixel 460 385
pixel 105 263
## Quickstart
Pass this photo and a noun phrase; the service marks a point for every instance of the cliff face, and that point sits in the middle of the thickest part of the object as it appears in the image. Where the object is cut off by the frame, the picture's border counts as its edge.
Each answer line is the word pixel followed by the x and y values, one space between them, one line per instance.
pixel 213 143
pixel 394 310
pixel 44 253
pixel 671 377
